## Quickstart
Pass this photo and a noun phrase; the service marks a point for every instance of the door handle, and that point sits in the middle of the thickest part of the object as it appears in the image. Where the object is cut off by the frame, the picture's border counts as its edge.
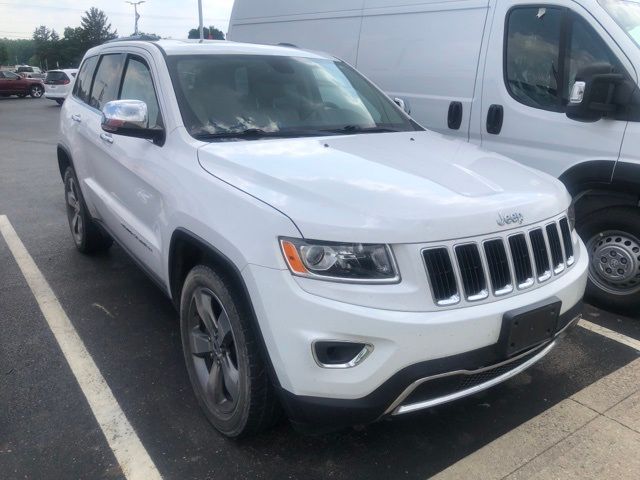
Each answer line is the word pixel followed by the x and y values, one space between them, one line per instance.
pixel 454 118
pixel 495 117
pixel 106 137
pixel 76 118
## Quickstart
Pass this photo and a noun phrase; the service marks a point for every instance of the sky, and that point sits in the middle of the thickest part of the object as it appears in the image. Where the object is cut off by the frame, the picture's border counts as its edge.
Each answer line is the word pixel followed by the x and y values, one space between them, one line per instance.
pixel 167 18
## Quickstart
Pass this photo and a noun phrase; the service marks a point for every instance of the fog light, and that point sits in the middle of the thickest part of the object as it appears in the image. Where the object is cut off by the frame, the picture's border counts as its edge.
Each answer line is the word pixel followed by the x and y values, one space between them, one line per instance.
pixel 336 354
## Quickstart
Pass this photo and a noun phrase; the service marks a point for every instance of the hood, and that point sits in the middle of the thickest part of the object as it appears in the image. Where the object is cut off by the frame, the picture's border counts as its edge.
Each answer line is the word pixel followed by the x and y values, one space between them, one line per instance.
pixel 406 187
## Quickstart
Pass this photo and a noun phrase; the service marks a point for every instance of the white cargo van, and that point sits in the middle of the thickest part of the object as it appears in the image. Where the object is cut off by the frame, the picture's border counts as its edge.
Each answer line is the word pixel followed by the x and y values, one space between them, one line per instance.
pixel 551 84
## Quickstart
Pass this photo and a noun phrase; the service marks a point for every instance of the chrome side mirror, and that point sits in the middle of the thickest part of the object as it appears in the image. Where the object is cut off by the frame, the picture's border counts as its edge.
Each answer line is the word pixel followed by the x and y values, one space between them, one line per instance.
pixel 577 92
pixel 129 118
pixel 403 104
pixel 598 91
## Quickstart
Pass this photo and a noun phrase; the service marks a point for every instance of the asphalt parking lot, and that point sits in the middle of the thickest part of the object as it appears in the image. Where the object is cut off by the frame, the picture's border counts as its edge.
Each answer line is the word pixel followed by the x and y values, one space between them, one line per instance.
pixel 48 430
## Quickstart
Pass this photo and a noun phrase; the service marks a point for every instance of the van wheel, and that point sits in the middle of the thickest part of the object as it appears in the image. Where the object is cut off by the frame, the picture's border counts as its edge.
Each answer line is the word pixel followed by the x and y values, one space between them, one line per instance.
pixel 223 357
pixel 612 237
pixel 87 236
pixel 59 101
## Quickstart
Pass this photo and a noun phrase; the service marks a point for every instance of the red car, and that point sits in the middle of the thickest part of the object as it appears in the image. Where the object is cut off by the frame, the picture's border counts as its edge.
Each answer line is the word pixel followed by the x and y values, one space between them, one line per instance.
pixel 13 84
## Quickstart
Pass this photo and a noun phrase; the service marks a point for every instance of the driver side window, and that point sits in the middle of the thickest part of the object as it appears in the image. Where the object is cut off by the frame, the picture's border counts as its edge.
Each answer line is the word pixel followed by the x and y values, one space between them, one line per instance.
pixel 545 48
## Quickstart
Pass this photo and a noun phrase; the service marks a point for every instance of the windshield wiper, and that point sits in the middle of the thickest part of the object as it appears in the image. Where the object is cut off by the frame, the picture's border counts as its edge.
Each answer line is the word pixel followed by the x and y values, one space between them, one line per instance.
pixel 360 129
pixel 249 132
pixel 255 133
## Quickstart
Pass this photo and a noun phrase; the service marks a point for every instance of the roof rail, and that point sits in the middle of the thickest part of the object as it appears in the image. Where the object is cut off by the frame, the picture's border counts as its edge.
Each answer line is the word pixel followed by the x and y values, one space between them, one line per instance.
pixel 285 44
pixel 142 38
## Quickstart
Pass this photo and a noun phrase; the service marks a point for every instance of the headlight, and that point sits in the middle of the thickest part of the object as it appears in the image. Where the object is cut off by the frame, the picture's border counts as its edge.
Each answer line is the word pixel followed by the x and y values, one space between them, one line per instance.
pixel 571 217
pixel 342 262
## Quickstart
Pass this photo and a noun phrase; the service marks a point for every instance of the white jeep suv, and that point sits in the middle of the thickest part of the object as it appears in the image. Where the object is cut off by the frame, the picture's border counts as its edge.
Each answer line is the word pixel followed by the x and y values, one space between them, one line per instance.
pixel 328 256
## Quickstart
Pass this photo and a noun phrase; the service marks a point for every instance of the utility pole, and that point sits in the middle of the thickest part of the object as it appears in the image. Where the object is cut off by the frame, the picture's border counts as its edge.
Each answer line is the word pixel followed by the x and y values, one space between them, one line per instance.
pixel 135 9
pixel 200 17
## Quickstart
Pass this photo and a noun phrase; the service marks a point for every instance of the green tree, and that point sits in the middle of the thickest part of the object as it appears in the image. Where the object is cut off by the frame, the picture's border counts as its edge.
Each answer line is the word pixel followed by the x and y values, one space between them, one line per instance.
pixel 209 33
pixel 96 28
pixel 71 47
pixel 4 54
pixel 46 42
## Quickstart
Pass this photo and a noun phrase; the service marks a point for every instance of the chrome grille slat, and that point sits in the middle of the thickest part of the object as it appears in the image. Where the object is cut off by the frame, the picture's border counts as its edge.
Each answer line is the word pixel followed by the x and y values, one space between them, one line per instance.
pixel 521 260
pixel 566 241
pixel 540 254
pixel 555 248
pixel 496 266
pixel 441 276
pixel 471 272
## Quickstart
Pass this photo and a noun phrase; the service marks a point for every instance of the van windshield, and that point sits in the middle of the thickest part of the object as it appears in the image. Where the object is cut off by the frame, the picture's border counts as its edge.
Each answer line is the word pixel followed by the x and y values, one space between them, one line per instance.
pixel 626 13
pixel 245 97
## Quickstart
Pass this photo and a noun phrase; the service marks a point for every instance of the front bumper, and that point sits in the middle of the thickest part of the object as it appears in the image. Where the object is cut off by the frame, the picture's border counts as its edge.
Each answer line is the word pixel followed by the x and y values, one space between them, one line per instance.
pixel 408 346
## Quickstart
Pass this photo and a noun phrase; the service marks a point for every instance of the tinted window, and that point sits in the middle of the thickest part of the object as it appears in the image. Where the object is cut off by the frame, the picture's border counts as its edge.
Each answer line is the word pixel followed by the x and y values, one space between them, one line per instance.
pixel 533 56
pixel 56 76
pixel 85 75
pixel 106 81
pixel 138 85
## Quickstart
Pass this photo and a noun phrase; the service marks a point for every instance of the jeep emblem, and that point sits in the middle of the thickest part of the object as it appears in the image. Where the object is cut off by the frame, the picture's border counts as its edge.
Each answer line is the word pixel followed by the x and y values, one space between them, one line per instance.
pixel 514 218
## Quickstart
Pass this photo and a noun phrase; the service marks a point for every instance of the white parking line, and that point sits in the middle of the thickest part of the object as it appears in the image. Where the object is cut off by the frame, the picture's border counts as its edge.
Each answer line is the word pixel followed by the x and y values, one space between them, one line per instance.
pixel 605 332
pixel 134 460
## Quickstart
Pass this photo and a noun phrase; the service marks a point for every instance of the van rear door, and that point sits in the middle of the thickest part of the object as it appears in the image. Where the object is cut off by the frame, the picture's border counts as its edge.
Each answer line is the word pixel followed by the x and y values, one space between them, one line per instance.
pixel 533 54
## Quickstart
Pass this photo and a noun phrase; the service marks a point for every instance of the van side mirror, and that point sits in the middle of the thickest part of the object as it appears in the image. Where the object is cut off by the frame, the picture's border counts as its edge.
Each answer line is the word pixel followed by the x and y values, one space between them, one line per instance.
pixel 403 104
pixel 596 93
pixel 130 119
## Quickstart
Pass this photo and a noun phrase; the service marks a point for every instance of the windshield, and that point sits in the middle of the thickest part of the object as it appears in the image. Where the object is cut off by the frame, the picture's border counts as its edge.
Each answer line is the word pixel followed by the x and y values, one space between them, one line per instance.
pixel 626 13
pixel 246 96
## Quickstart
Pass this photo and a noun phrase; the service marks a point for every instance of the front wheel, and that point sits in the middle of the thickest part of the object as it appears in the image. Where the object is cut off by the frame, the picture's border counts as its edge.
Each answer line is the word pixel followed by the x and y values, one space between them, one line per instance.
pixel 223 358
pixel 36 91
pixel 612 237
pixel 59 101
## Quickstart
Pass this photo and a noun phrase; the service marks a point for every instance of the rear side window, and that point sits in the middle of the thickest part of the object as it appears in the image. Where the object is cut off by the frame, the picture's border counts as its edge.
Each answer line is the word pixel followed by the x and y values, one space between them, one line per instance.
pixel 106 81
pixel 138 85
pixel 533 56
pixel 83 82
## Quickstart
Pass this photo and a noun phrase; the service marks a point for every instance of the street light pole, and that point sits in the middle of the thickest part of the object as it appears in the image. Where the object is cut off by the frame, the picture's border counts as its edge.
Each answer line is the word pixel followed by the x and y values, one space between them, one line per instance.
pixel 200 18
pixel 135 9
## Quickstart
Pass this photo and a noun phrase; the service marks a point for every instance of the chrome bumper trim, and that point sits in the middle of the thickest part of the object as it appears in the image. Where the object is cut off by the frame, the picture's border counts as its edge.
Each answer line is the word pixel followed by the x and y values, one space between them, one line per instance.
pixel 397 409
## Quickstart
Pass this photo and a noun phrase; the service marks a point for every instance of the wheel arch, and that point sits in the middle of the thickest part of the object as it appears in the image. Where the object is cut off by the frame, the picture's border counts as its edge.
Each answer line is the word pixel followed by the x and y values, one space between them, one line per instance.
pixel 186 250
pixel 599 184
pixel 64 159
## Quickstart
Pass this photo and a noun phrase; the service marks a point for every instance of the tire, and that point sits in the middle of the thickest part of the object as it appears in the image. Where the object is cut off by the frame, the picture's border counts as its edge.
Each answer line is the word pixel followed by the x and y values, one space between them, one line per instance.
pixel 612 236
pixel 21 95
pixel 36 91
pixel 59 101
pixel 87 236
pixel 219 343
